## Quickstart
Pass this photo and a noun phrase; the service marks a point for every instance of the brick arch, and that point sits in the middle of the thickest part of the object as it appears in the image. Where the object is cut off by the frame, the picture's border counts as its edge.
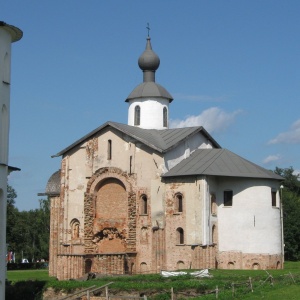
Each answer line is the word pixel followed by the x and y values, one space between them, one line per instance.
pixel 99 228
pixel 104 173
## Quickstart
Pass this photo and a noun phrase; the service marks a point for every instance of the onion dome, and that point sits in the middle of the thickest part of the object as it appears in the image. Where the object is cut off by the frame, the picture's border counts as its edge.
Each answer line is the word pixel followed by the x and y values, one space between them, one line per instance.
pixel 149 63
pixel 149 60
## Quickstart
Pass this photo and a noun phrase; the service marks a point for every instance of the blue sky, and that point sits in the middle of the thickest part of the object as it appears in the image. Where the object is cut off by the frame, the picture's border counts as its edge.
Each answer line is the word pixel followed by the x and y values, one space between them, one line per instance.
pixel 231 66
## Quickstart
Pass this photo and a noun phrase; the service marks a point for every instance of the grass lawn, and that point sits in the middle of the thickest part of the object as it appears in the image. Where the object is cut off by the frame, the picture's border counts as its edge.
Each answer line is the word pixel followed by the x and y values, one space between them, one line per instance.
pixel 23 275
pixel 283 286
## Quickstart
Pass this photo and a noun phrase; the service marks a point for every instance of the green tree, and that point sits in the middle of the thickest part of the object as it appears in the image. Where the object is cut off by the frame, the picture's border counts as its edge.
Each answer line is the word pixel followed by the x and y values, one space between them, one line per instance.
pixel 28 231
pixel 291 180
pixel 291 212
pixel 12 216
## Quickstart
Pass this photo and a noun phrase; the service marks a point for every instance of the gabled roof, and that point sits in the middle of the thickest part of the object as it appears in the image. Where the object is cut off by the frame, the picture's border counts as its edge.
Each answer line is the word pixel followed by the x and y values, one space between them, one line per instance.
pixel 159 140
pixel 219 162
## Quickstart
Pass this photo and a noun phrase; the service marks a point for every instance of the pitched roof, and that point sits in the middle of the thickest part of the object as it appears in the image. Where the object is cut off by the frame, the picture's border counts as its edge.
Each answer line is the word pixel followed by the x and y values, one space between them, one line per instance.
pixel 149 90
pixel 159 140
pixel 219 162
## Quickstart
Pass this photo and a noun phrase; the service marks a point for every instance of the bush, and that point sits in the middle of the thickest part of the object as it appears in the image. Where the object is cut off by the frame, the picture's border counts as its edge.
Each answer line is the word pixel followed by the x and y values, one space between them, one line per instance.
pixel 27 266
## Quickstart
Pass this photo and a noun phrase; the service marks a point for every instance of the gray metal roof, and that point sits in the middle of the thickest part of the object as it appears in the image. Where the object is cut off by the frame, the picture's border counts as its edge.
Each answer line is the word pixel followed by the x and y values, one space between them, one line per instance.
pixel 150 90
pixel 15 32
pixel 159 140
pixel 53 184
pixel 219 162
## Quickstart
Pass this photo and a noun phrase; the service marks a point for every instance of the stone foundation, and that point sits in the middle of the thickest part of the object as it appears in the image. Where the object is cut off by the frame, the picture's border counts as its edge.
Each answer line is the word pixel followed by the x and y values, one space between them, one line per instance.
pixel 248 261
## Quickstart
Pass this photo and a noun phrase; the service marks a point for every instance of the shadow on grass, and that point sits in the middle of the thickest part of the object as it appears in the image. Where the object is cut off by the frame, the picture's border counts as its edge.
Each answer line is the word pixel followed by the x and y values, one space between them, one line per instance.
pixel 25 290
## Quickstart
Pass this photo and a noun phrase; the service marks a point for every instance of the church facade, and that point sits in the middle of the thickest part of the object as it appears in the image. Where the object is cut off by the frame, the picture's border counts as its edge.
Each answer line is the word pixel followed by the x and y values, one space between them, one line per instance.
pixel 141 198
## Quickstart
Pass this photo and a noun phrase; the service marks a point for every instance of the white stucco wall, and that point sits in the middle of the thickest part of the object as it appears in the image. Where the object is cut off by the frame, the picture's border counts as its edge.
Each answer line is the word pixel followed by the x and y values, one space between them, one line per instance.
pixel 6 38
pixel 193 206
pixel 184 150
pixel 151 113
pixel 5 53
pixel 251 224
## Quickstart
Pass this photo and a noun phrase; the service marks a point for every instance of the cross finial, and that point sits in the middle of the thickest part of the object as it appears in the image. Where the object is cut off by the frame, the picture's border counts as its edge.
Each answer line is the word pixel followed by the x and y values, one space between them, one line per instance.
pixel 148 28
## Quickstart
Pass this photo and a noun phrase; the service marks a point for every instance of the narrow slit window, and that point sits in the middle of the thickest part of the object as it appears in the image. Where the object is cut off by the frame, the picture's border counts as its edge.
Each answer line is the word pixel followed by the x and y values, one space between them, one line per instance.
pixel 6 69
pixel 180 236
pixel 137 115
pixel 273 196
pixel 109 149
pixel 178 203
pixel 144 205
pixel 165 117
pixel 228 198
pixel 130 164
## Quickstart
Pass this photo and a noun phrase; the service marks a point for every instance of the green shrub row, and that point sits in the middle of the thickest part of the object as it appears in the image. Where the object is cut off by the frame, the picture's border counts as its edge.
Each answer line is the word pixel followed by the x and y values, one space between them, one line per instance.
pixel 27 266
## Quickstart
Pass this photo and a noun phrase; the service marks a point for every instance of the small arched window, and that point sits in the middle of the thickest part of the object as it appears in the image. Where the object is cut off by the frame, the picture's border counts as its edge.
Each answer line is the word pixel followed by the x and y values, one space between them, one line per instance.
pixel 180 236
pixel 180 265
pixel 178 203
pixel 165 117
pixel 213 204
pixel 75 226
pixel 143 267
pixel 109 150
pixel 137 115
pixel 144 205
pixel 6 69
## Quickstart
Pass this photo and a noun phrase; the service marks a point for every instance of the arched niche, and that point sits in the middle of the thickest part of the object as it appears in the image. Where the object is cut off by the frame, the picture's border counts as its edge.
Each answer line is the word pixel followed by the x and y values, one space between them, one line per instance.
pixel 108 201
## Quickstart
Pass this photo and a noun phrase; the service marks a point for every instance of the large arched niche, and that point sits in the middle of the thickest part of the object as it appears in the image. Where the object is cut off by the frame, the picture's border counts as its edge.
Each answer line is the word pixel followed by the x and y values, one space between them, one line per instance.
pixel 105 173
pixel 108 200
pixel 111 201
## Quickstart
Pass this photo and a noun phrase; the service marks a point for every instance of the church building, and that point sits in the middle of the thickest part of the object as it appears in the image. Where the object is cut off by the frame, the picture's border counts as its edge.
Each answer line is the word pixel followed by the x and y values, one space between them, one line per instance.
pixel 141 198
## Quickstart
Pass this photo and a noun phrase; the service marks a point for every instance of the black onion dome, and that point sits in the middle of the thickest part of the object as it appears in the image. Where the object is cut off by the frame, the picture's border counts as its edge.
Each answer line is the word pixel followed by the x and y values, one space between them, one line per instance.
pixel 149 60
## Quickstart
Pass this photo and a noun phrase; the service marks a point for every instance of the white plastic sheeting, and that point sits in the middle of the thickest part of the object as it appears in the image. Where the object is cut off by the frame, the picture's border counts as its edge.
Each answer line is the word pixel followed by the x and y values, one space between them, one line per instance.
pixel 201 273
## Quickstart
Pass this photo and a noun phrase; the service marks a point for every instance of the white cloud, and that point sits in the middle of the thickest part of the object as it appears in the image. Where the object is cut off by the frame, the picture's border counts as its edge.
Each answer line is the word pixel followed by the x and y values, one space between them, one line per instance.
pixel 297 173
pixel 271 158
pixel 289 137
pixel 213 119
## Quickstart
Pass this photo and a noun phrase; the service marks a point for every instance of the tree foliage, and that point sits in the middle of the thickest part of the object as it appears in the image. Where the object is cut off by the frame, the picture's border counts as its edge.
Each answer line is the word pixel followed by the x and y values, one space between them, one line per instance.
pixel 27 232
pixel 291 212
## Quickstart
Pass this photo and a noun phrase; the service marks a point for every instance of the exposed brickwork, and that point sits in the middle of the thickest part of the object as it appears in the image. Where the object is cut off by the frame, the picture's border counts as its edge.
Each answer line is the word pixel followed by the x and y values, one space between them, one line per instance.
pixel 89 200
pixel 91 156
pixel 54 235
pixel 109 224
pixel 239 260
pixel 132 234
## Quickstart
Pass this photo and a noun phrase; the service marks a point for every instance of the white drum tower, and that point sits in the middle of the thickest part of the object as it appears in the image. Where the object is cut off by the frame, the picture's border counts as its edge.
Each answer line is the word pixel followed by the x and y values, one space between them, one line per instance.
pixel 149 101
pixel 8 35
